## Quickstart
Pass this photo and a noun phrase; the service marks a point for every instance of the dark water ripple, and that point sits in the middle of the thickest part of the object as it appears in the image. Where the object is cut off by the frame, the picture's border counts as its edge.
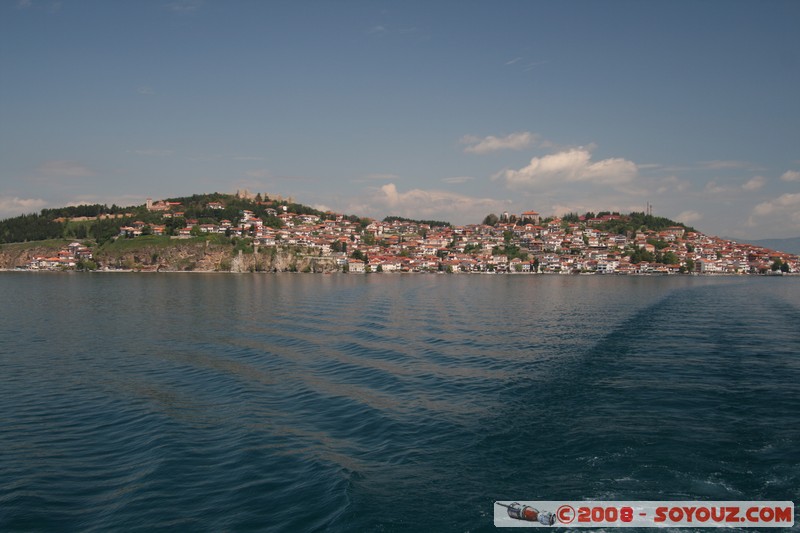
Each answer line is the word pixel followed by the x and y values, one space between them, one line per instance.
pixel 386 403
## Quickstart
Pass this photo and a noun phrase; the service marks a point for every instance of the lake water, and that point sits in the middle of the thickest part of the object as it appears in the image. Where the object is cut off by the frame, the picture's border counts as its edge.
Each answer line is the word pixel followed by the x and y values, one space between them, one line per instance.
pixel 341 402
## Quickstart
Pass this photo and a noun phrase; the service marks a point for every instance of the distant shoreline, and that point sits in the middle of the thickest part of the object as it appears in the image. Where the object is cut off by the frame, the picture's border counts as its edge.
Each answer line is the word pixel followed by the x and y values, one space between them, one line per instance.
pixel 522 274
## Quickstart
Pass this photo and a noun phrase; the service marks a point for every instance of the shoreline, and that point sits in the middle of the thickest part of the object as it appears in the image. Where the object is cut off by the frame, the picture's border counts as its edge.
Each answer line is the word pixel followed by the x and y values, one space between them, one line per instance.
pixel 614 274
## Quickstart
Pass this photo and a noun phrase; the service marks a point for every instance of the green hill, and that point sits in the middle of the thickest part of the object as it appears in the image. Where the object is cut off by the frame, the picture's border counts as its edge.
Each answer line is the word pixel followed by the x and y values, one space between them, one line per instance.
pixel 101 222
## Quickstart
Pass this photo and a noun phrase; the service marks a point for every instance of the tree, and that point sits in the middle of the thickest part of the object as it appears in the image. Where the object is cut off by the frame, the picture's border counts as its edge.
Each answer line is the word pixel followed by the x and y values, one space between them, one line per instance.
pixel 472 248
pixel 659 244
pixel 785 267
pixel 639 254
pixel 491 219
pixel 86 264
pixel 670 259
pixel 80 231
pixel 776 265
pixel 104 230
pixel 433 223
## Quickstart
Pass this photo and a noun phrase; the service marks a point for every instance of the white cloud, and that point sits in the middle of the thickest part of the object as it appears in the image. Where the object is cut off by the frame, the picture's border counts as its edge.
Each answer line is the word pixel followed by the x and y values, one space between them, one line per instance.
pixel 714 188
pixel 573 165
pixel 754 183
pixel 594 203
pixel 72 169
pixel 11 206
pixel 527 66
pixel 672 183
pixel 562 209
pixel 785 202
pixel 427 204
pixel 791 175
pixel 689 217
pixel 533 65
pixel 779 217
pixel 118 199
pixel 582 206
pixel 456 180
pixel 513 141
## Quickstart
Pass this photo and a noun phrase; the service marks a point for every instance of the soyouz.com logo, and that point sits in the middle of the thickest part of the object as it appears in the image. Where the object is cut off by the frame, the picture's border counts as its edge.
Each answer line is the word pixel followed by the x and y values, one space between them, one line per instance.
pixel 644 513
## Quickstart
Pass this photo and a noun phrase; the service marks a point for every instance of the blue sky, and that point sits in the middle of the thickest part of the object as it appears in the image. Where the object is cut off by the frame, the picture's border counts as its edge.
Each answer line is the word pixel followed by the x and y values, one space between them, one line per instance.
pixel 443 110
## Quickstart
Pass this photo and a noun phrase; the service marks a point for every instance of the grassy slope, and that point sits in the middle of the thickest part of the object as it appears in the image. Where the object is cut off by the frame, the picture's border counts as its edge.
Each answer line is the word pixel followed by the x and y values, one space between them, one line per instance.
pixel 51 244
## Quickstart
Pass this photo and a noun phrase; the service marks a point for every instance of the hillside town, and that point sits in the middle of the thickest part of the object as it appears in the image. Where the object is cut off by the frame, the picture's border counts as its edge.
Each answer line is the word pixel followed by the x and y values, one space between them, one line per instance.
pixel 525 243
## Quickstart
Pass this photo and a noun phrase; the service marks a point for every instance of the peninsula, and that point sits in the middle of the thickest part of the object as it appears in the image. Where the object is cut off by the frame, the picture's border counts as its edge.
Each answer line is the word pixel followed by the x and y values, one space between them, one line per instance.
pixel 243 232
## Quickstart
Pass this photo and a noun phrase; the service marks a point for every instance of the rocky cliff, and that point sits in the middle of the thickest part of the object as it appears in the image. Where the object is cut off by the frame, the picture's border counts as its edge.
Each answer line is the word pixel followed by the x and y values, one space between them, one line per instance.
pixel 181 256
pixel 209 257
pixel 20 254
